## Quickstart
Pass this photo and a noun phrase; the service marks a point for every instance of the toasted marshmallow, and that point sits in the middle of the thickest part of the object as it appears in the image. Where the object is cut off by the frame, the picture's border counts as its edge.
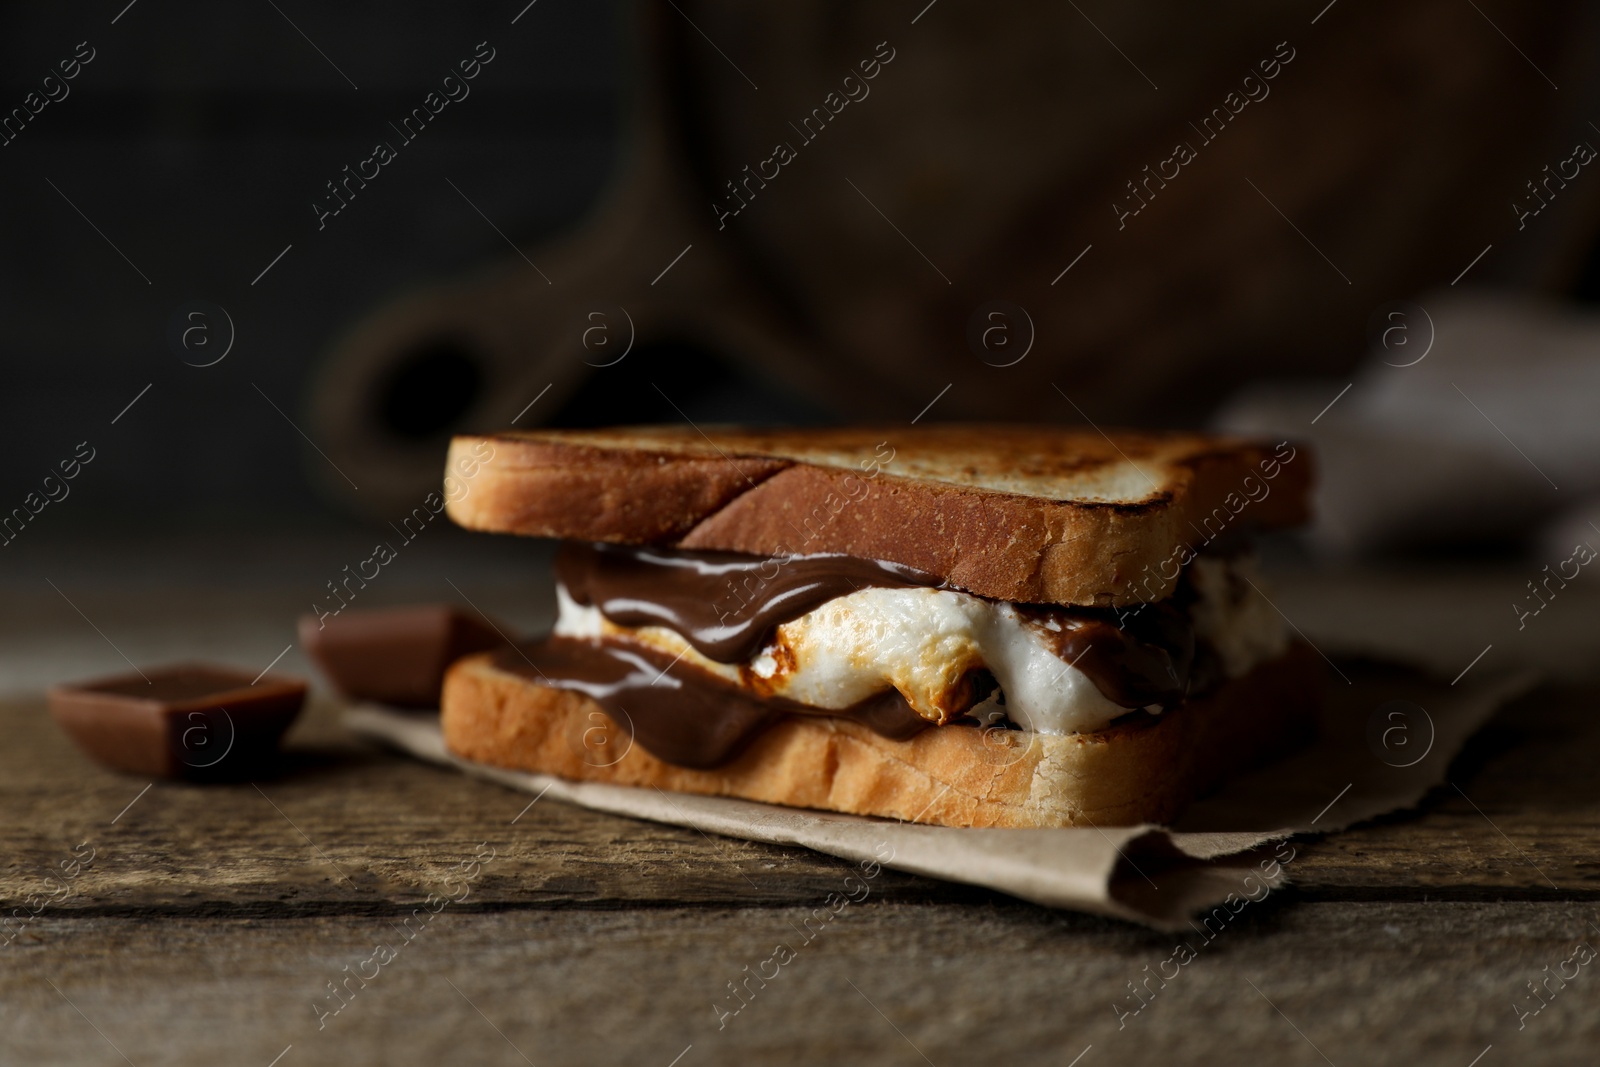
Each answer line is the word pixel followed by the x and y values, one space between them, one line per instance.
pixel 923 642
pixel 928 643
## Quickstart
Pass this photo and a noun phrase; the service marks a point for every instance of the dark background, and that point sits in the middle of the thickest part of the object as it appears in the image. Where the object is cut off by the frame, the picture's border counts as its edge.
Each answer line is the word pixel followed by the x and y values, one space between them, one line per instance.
pixel 200 134
pixel 196 141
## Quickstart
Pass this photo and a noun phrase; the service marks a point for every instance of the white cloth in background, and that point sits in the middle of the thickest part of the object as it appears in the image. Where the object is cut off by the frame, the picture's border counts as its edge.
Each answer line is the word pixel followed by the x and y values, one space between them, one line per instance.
pixel 1476 417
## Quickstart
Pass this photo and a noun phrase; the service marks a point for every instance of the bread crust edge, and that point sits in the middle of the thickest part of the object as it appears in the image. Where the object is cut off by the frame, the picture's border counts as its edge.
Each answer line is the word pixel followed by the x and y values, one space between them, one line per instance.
pixel 1143 771
pixel 1000 545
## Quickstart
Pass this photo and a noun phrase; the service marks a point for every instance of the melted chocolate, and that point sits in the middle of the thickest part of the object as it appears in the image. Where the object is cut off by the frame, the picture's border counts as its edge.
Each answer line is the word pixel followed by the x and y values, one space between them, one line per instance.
pixel 680 713
pixel 727 605
pixel 723 603
pixel 1143 660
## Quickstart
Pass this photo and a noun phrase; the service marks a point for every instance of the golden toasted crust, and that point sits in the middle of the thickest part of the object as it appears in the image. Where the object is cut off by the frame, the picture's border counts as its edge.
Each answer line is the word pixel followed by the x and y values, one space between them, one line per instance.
pixel 1144 771
pixel 1033 514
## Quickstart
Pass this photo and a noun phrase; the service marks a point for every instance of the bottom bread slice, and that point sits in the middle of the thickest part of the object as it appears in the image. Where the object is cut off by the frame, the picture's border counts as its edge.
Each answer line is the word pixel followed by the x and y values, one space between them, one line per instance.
pixel 1145 769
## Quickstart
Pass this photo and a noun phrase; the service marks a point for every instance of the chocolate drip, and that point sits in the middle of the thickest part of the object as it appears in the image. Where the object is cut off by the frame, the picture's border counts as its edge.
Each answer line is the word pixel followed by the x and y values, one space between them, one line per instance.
pixel 723 603
pixel 680 713
pixel 1142 660
pixel 727 605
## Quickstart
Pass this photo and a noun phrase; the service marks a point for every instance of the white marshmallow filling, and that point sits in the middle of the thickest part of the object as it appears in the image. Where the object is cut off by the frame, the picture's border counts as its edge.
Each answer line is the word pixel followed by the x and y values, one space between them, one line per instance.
pixel 926 643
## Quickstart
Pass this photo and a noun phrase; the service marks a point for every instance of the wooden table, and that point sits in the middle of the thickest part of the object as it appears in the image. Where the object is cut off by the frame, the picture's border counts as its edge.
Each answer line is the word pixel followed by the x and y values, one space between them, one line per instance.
pixel 212 920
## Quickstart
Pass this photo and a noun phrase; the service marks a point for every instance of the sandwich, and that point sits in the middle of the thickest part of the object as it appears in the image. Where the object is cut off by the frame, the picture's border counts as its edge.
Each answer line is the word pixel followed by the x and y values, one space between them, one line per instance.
pixel 974 625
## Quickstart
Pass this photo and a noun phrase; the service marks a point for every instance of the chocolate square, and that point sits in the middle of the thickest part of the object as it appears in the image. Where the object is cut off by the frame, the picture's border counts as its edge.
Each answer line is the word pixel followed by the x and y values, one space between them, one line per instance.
pixel 195 721
pixel 394 655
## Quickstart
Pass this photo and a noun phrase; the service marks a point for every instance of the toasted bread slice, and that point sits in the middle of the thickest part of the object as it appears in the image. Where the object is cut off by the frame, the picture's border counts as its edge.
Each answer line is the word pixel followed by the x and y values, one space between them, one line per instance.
pixel 1143 770
pixel 1039 515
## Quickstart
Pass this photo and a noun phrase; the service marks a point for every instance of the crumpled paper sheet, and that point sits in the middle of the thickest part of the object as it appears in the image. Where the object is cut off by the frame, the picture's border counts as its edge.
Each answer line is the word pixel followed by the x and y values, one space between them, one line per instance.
pixel 1387 737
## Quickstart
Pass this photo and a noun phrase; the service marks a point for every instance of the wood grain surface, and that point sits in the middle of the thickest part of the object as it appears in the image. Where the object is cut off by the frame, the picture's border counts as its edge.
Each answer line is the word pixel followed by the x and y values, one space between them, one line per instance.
pixel 211 920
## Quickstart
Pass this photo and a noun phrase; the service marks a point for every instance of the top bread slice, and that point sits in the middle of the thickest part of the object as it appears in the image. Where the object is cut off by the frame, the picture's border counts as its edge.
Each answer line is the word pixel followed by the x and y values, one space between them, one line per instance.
pixel 1031 514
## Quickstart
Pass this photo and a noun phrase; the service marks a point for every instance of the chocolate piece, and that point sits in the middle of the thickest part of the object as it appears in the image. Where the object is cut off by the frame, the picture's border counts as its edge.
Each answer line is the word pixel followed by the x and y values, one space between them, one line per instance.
pixel 678 712
pixel 394 655
pixel 188 721
pixel 725 604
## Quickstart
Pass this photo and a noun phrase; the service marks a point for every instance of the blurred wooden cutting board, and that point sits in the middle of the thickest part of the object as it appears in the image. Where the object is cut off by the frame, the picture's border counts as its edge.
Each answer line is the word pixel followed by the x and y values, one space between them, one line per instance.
pixel 986 157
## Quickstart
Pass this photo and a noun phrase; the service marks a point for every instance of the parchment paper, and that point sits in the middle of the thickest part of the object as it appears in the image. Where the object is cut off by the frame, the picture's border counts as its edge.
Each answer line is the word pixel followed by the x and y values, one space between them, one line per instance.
pixel 1387 737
